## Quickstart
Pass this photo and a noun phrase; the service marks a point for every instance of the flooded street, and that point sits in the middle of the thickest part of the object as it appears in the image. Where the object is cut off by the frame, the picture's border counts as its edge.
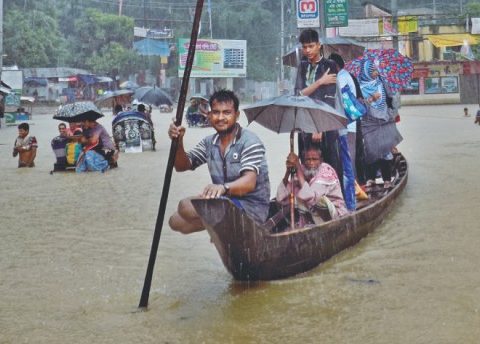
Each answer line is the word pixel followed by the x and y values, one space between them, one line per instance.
pixel 74 250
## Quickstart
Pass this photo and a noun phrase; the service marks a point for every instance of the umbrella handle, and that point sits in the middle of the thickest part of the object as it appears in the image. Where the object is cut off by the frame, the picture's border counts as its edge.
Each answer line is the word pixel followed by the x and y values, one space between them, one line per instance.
pixel 292 136
pixel 292 176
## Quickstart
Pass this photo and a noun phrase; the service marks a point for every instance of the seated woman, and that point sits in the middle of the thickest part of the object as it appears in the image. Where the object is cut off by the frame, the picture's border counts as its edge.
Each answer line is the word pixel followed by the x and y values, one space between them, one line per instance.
pixel 99 150
pixel 316 186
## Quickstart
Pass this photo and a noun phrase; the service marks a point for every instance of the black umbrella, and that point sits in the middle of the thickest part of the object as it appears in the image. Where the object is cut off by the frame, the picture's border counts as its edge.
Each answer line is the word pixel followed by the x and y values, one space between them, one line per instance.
pixel 346 47
pixel 108 99
pixel 153 96
pixel 284 113
pixel 78 112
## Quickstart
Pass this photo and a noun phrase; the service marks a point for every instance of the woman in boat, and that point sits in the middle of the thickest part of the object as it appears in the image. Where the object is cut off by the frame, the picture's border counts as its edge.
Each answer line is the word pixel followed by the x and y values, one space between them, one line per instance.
pixel 316 185
pixel 380 134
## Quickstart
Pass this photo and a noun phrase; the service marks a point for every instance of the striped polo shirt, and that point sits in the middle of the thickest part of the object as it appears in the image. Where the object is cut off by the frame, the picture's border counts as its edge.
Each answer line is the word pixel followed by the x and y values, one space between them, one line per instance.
pixel 245 153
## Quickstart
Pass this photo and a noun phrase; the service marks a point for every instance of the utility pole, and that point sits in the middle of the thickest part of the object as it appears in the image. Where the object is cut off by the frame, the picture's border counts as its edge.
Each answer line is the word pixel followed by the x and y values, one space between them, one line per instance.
pixel 210 18
pixel 394 9
pixel 1 38
pixel 120 4
pixel 144 14
pixel 282 39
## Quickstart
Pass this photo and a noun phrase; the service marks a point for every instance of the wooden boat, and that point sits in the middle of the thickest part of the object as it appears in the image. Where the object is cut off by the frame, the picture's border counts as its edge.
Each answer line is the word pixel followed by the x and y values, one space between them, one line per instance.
pixel 250 251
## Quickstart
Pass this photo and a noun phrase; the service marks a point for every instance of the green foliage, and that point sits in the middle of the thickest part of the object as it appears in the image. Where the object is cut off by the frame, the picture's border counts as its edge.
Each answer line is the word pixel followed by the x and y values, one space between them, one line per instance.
pixel 98 37
pixel 259 24
pixel 473 9
pixel 114 56
pixel 31 39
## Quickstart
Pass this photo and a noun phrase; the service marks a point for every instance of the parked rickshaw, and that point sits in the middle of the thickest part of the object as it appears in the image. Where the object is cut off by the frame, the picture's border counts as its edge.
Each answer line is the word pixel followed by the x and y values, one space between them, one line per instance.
pixel 132 132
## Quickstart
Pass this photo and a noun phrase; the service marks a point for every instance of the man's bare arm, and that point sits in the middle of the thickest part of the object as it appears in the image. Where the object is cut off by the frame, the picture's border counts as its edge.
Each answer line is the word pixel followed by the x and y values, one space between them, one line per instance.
pixel 182 162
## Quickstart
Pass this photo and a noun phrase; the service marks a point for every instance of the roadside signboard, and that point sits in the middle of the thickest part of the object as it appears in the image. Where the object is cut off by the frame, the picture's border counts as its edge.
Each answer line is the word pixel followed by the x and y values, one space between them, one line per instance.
pixel 14 79
pixel 336 13
pixel 308 14
pixel 215 58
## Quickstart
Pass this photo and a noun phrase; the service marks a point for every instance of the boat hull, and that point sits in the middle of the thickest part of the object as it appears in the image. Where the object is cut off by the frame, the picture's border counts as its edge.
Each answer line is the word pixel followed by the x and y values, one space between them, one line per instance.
pixel 250 251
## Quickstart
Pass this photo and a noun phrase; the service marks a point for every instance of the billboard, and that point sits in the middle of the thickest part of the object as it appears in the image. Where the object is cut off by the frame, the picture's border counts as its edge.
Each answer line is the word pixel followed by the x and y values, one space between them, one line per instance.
pixel 215 58
pixel 14 79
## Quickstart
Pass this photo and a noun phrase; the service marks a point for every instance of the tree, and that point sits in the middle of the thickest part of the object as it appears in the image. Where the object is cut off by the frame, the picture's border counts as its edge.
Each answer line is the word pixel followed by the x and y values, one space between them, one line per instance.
pixel 32 39
pixel 111 57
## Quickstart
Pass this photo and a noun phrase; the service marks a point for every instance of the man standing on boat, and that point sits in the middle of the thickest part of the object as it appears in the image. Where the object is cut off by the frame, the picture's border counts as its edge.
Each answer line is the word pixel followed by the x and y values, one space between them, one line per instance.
pixel 236 162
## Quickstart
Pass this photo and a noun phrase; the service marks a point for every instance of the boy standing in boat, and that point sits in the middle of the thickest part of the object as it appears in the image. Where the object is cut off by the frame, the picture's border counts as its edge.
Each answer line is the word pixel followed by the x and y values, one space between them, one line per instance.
pixel 316 78
pixel 236 162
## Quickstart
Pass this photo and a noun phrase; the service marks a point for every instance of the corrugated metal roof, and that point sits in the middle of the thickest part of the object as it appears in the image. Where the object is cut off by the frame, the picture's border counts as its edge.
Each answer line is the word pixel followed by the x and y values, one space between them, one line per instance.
pixel 58 72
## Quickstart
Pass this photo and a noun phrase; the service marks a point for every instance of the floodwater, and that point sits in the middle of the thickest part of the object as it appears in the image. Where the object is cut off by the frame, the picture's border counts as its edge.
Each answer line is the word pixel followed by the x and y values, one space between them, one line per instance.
pixel 74 250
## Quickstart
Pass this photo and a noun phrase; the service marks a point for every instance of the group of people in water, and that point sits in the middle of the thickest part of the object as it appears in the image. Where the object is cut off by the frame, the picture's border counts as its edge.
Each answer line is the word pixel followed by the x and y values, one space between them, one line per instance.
pixel 85 146
pixel 236 156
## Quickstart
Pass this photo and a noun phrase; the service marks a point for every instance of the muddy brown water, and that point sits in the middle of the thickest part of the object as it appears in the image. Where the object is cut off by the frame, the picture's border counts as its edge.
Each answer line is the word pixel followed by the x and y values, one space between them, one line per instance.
pixel 74 250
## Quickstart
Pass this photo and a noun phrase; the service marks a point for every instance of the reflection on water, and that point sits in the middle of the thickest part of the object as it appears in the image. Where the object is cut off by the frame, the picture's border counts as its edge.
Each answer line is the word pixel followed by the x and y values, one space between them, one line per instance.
pixel 74 251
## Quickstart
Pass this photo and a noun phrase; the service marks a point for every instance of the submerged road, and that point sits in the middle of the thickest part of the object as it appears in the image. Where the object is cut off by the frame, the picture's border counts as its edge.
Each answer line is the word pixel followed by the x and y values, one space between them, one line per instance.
pixel 74 249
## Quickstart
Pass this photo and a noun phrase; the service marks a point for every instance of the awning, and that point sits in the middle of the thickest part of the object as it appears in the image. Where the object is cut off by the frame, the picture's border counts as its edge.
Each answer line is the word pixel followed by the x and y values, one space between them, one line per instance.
pixel 88 79
pixel 152 47
pixel 35 81
pixel 453 39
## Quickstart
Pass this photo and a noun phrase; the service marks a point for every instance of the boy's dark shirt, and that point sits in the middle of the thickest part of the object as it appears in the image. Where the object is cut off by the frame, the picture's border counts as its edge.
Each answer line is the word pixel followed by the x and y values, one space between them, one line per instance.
pixel 325 93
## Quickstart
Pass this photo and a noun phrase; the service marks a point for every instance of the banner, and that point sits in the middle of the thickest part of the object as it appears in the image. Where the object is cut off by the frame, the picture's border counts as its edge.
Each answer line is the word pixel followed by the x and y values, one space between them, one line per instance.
pixel 336 13
pixel 215 58
pixel 360 28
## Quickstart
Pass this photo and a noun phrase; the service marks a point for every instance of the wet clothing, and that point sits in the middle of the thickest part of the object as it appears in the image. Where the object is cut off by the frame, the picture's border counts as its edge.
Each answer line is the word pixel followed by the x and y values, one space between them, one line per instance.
pixel 96 157
pixel 105 140
pixel 28 143
pixel 308 73
pixel 324 184
pixel 379 130
pixel 59 144
pixel 245 153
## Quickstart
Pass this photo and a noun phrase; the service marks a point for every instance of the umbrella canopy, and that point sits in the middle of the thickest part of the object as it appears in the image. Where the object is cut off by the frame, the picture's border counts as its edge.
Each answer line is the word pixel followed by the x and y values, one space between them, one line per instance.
pixel 122 116
pixel 286 113
pixel 109 99
pixel 395 68
pixel 78 112
pixel 199 97
pixel 129 84
pixel 153 96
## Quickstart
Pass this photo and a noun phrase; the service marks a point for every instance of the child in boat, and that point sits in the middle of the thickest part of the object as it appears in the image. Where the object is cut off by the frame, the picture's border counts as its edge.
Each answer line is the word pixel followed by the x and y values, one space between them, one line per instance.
pixel 316 185
pixel 25 146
